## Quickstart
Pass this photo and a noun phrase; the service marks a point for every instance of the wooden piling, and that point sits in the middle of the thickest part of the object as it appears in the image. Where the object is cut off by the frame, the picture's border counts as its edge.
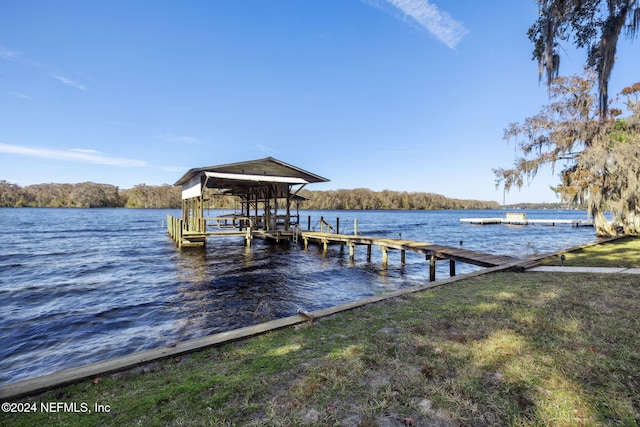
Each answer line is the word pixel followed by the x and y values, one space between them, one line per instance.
pixel 248 237
pixel 385 256
pixel 175 229
pixel 432 268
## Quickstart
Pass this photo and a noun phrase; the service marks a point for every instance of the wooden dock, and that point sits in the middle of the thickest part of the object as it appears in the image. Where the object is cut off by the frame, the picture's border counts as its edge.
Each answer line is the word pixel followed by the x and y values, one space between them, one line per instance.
pixel 325 237
pixel 521 219
pixel 431 251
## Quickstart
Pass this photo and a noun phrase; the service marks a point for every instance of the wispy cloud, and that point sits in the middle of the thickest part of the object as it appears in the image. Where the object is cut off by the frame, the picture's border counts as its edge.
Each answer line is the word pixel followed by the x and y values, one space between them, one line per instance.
pixel 11 55
pixel 7 54
pixel 181 139
pixel 76 154
pixel 20 95
pixel 85 151
pixel 428 16
pixel 70 82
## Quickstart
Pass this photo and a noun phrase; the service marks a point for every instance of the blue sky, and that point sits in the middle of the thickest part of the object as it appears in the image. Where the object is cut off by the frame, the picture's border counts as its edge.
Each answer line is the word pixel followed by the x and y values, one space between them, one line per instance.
pixel 407 95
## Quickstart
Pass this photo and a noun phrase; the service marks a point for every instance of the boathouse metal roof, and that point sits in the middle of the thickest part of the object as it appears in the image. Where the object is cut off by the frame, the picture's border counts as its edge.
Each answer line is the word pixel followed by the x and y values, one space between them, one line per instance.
pixel 238 178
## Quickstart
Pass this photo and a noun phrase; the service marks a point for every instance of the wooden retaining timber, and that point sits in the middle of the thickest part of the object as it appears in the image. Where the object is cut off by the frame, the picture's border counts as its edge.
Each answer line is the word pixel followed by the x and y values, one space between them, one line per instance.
pixel 432 252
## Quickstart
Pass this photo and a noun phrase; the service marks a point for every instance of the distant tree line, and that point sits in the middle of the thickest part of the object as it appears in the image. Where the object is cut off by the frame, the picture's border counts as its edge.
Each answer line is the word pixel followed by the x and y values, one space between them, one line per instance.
pixel 88 195
pixel 92 195
pixel 545 205
pixel 366 199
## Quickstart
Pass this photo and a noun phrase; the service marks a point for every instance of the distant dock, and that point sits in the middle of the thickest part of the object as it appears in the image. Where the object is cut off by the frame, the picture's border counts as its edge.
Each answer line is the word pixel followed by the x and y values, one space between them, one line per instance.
pixel 521 219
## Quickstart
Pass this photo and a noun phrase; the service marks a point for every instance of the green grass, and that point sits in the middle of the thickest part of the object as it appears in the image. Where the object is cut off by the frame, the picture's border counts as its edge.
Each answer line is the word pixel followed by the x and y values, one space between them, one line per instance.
pixel 500 349
pixel 624 252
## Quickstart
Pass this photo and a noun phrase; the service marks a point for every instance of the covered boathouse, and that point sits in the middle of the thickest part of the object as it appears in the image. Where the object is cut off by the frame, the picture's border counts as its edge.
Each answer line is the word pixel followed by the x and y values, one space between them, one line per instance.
pixel 266 189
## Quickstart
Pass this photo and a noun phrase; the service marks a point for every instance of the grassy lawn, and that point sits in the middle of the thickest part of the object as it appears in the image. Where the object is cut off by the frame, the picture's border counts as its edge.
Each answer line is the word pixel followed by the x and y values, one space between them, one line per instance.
pixel 623 252
pixel 499 349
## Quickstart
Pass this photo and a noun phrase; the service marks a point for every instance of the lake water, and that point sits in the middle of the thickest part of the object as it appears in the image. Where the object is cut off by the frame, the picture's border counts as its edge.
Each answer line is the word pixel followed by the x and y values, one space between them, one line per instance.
pixel 84 285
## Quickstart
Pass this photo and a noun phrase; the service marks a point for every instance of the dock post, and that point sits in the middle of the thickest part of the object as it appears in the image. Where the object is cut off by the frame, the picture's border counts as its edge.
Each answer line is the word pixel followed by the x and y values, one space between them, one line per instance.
pixel 174 233
pixel 368 252
pixel 452 267
pixel 351 250
pixel 309 223
pixel 337 225
pixel 248 236
pixel 432 268
pixel 355 226
pixel 402 257
pixel 385 256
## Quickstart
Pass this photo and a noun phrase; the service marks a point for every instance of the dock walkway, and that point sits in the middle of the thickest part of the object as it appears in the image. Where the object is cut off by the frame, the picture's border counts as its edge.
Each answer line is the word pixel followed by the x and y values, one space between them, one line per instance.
pixel 432 252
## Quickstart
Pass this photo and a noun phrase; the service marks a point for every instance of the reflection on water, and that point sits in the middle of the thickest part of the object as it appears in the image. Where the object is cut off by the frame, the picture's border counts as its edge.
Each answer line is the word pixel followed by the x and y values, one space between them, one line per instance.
pixel 83 285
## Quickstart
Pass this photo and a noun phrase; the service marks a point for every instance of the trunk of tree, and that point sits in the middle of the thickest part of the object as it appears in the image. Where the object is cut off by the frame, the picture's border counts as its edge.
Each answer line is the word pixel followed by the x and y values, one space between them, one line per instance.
pixel 631 222
pixel 603 227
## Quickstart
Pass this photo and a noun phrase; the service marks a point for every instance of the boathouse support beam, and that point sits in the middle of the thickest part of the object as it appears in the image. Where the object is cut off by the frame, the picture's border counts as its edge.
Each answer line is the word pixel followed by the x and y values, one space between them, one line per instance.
pixel 287 218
